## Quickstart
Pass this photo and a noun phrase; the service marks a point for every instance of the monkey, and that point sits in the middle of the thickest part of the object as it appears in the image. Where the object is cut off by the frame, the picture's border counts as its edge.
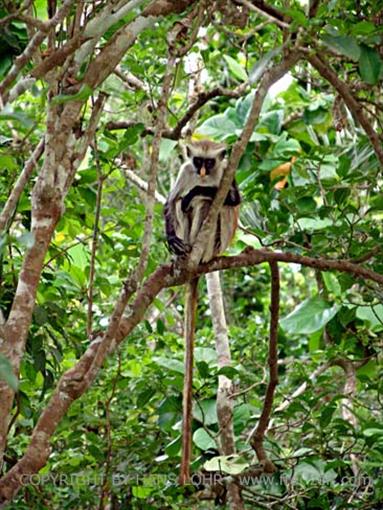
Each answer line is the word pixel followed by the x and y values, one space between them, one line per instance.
pixel 189 201
pixel 186 208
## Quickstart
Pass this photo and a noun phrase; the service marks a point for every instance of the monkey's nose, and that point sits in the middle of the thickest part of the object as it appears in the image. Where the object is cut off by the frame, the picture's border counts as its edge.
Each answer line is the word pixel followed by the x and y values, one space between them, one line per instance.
pixel 202 172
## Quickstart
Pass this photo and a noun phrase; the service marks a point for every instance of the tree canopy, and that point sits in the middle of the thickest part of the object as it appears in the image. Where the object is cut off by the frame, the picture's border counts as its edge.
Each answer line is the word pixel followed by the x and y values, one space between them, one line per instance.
pixel 96 100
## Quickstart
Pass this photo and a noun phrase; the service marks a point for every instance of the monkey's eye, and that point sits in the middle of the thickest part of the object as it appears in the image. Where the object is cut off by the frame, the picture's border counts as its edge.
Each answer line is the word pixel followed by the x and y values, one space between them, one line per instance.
pixel 209 163
pixel 198 162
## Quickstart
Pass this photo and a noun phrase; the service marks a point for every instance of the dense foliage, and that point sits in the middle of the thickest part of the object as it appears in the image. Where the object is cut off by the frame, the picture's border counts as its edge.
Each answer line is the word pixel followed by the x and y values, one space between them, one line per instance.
pixel 310 180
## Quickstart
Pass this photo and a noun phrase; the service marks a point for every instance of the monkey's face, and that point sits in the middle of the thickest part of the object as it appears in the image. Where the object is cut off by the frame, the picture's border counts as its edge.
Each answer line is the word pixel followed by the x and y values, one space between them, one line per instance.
pixel 206 157
pixel 203 166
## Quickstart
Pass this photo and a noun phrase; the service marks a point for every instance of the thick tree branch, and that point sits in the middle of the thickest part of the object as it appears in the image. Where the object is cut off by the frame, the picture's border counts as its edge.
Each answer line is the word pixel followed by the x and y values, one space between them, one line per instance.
pixel 98 25
pixel 257 440
pixel 112 53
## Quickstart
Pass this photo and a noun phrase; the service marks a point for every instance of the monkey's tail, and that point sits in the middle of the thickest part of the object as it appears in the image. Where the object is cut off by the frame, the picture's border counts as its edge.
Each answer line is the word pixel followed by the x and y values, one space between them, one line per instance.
pixel 191 298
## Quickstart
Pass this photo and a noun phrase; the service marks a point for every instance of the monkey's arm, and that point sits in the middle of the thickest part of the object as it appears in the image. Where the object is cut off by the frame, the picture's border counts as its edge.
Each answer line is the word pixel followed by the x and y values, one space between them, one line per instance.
pixel 233 198
pixel 200 191
pixel 176 245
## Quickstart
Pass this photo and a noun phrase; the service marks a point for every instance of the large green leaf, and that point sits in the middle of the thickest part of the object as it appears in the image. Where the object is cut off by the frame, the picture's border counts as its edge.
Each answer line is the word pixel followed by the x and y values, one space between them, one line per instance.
pixel 204 440
pixel 206 412
pixel 344 44
pixel 219 126
pixel 232 464
pixel 308 317
pixel 235 68
pixel 370 65
pixel 372 314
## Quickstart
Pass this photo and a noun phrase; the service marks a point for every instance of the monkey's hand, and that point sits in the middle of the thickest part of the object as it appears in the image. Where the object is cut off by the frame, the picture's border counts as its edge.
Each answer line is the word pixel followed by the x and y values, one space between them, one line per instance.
pixel 177 246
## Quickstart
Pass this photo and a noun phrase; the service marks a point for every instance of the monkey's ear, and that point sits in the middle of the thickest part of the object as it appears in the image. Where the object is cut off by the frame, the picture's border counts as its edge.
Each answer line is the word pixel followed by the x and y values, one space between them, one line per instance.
pixel 186 151
pixel 222 153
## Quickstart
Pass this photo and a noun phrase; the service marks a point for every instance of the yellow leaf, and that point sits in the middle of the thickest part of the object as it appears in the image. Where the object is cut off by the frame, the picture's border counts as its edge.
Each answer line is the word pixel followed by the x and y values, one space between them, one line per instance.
pixel 60 236
pixel 282 170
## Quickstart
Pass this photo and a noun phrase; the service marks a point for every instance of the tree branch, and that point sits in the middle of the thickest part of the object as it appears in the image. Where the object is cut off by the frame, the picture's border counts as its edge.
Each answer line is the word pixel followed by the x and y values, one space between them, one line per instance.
pixel 352 103
pixel 267 11
pixel 75 381
pixel 200 101
pixel 142 185
pixel 11 203
pixel 225 402
pixel 32 46
pixel 257 439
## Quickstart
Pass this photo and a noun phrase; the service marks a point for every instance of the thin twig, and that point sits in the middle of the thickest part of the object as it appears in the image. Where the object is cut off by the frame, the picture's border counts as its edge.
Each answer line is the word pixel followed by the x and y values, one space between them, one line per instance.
pixel 141 184
pixel 259 8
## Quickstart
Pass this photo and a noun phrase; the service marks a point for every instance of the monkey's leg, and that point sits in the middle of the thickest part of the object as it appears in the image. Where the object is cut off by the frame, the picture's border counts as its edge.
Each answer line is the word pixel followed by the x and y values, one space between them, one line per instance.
pixel 191 298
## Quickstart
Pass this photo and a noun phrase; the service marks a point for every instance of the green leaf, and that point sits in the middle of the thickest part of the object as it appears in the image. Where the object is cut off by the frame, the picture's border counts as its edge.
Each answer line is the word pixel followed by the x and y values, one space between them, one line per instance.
pixel 6 373
pixel 332 283
pixel 312 224
pixel 235 68
pixel 206 412
pixel 371 314
pixel 231 464
pixel 218 126
pixel 160 327
pixel 229 372
pixel 373 432
pixel 203 440
pixel 326 415
pixel 131 136
pixel 203 369
pixel 309 317
pixel 173 365
pixel 363 28
pixel 17 116
pixel 206 354
pixel 166 147
pixel 172 449
pixel 370 65
pixel 344 44
pixel 262 64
